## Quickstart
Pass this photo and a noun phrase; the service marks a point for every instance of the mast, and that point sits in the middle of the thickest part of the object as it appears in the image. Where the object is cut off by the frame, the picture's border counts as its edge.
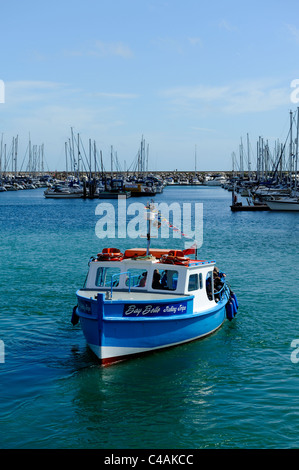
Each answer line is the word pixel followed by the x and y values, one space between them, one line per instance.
pixel 66 165
pixel 12 154
pixel 29 169
pixel 241 160
pixel 111 165
pixel 233 163
pixel 5 160
pixel 1 148
pixel 42 165
pixel 290 151
pixel 89 161
pixel 39 159
pixel 95 159
pixel 102 169
pixel 78 144
pixel 147 152
pixel 249 162
pixel 16 154
pixel 149 217
pixel 73 152
pixel 296 156
pixel 262 158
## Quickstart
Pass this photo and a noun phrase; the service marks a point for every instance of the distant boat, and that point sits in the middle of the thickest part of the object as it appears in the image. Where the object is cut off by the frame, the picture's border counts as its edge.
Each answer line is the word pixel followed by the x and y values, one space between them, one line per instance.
pixel 184 182
pixel 238 207
pixel 112 194
pixel 284 204
pixel 217 181
pixel 63 192
pixel 169 181
pixel 251 206
pixel 195 182
pixel 10 187
pixel 140 189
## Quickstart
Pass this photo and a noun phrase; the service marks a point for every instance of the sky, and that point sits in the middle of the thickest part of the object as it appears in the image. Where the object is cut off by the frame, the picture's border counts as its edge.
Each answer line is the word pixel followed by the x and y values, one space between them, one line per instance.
pixel 192 78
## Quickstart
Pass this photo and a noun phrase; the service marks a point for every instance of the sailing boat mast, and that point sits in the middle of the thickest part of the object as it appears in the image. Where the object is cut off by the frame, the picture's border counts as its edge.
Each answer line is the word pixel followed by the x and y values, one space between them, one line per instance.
pixel 296 156
pixel 249 162
pixel 291 146
pixel 16 155
pixel 149 217
pixel 1 149
pixel 66 165
pixel 111 164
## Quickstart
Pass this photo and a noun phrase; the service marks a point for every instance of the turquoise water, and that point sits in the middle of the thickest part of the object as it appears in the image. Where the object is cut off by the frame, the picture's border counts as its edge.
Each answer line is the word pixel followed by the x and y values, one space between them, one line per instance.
pixel 235 389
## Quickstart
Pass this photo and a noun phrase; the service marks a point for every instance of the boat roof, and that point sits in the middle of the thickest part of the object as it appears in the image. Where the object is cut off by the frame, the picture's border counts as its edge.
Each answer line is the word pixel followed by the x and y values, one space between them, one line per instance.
pixel 156 255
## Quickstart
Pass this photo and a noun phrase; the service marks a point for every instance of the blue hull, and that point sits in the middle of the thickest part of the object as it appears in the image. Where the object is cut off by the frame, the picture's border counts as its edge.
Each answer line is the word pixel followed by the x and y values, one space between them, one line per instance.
pixel 118 330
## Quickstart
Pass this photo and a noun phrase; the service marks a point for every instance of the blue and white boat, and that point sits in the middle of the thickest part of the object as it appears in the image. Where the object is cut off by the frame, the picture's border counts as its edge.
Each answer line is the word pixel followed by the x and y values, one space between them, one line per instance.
pixel 145 300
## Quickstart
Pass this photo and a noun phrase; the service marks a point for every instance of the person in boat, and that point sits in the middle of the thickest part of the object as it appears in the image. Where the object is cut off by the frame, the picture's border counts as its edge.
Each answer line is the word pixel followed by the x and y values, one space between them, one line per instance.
pixel 164 280
pixel 143 279
pixel 217 273
pixel 218 279
pixel 209 286
pixel 156 280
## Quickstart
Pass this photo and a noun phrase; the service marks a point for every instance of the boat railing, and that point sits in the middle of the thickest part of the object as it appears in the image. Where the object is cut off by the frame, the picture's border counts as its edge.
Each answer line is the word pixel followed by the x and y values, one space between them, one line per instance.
pixel 223 292
pixel 200 262
pixel 119 274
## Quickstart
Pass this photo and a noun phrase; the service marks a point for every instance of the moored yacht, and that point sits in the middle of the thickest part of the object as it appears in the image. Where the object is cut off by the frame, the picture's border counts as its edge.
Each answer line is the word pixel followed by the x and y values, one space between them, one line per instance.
pixel 283 204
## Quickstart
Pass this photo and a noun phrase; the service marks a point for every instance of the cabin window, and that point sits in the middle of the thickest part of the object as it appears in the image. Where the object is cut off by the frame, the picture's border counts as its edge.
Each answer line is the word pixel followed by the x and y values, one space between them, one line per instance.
pixel 193 282
pixel 106 275
pixel 165 279
pixel 137 277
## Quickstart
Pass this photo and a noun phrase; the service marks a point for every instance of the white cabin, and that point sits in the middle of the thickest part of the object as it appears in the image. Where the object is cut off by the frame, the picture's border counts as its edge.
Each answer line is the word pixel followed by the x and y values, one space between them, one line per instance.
pixel 134 279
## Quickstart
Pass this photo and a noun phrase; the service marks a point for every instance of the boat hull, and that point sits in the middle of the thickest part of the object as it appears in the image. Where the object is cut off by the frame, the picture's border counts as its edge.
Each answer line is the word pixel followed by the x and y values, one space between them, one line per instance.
pixel 63 196
pixel 114 336
pixel 112 195
pixel 253 208
pixel 283 205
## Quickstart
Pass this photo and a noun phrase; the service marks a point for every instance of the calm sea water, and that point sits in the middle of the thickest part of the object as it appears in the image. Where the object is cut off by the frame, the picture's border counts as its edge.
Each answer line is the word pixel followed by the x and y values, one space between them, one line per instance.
pixel 235 389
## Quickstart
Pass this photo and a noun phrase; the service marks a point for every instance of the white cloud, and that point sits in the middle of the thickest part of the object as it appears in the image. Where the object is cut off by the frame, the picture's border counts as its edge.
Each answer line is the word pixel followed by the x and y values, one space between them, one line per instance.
pixel 294 32
pixel 224 24
pixel 103 49
pixel 240 97
pixel 26 91
pixel 116 95
pixel 195 41
pixel 169 45
pixel 112 49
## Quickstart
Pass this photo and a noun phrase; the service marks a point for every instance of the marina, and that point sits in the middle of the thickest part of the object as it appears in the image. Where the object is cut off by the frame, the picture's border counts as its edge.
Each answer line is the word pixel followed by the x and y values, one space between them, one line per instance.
pixel 271 185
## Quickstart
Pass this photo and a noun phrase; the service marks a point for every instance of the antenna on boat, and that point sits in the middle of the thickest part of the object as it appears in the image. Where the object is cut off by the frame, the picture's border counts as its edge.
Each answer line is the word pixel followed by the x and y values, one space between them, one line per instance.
pixel 149 217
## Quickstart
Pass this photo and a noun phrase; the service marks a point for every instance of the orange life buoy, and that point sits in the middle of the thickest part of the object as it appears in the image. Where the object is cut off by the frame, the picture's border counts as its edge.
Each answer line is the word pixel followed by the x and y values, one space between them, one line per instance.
pixel 173 259
pixel 110 254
